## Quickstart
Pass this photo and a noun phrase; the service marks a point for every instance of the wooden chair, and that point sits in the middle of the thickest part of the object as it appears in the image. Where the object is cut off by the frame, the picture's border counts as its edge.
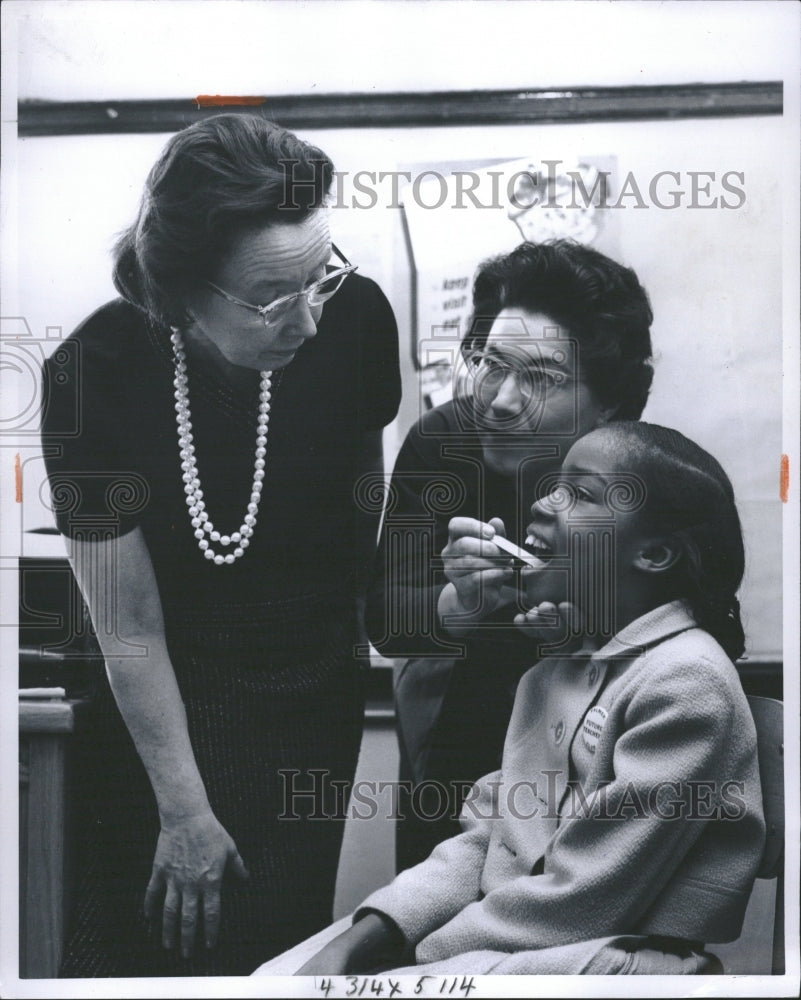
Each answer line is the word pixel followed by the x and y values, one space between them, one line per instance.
pixel 768 716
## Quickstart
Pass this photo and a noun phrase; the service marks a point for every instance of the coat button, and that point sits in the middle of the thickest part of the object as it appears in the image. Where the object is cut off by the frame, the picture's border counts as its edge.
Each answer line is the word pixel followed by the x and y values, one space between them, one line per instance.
pixel 593 676
pixel 559 731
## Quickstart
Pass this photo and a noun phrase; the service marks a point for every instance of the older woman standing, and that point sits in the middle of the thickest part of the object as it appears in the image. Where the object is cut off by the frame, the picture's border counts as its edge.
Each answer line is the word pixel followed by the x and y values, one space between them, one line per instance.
pixel 228 402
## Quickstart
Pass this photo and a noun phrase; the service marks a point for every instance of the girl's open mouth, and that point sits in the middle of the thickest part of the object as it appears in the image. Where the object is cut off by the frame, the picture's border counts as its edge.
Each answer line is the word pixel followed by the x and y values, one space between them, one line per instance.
pixel 541 549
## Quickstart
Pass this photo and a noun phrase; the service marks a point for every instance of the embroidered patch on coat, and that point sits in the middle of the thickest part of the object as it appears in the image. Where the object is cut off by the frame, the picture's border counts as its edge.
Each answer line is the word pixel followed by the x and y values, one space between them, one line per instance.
pixel 593 726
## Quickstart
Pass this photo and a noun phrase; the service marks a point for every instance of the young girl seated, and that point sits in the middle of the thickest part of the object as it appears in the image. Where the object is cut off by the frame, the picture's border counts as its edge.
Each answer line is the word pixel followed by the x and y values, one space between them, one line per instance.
pixel 624 829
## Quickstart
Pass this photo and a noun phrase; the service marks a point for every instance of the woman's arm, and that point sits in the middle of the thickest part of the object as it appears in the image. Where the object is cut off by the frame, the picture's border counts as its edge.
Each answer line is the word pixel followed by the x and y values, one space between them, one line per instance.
pixel 118 583
pixel 409 578
pixel 371 463
pixel 404 587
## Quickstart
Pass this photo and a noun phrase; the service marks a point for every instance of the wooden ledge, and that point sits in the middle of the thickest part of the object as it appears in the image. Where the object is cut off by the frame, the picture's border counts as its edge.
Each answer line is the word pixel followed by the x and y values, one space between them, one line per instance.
pixel 403 110
pixel 50 717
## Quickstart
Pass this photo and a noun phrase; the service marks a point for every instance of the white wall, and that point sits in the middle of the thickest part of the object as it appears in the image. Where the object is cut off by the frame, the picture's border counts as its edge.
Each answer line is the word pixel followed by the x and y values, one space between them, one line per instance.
pixel 99 49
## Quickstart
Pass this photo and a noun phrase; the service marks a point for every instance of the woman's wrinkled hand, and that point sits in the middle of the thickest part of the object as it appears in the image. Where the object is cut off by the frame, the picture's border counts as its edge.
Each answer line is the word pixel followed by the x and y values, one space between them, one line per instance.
pixel 191 859
pixel 480 576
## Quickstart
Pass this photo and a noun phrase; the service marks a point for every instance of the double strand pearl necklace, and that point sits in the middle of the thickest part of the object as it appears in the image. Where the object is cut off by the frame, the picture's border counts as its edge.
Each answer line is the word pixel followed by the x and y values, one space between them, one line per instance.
pixel 205 532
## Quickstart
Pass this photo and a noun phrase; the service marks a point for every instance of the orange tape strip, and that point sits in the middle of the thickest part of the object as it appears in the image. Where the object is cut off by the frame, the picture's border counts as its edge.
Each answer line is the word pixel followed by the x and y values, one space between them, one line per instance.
pixel 221 101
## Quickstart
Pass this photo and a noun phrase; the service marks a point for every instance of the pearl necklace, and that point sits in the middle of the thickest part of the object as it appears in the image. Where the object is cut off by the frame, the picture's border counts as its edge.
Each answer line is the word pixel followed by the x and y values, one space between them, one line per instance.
pixel 194 494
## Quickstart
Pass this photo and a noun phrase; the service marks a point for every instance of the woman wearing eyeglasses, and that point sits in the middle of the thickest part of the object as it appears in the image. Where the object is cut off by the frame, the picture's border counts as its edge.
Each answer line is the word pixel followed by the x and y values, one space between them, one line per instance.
pixel 559 343
pixel 229 401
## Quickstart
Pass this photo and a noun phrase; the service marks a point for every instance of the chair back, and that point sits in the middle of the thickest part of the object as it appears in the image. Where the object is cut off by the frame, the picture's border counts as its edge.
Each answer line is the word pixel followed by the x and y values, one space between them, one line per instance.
pixel 768 716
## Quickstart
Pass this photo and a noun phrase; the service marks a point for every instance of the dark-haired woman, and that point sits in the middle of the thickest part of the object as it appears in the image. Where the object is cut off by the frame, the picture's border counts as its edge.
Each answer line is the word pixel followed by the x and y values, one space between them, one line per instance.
pixel 559 344
pixel 230 400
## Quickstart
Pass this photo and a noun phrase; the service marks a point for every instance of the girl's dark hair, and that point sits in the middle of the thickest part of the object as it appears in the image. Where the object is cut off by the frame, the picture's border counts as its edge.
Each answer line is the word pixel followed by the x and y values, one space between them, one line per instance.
pixel 598 302
pixel 690 496
pixel 214 180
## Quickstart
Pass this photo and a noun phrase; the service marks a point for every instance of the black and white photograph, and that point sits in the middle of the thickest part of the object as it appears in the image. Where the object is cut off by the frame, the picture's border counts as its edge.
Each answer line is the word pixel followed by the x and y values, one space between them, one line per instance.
pixel 399 569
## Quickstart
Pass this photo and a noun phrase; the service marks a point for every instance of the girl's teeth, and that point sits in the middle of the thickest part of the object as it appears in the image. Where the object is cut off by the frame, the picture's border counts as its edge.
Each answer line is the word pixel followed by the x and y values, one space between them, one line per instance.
pixel 539 548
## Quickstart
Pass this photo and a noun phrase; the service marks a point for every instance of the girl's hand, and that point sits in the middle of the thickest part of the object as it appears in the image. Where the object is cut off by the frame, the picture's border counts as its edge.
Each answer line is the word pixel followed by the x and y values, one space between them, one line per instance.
pixel 370 945
pixel 480 575
pixel 191 858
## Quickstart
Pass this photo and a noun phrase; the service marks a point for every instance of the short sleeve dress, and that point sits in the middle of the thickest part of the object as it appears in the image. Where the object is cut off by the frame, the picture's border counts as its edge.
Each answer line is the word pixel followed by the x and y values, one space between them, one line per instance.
pixel 264 649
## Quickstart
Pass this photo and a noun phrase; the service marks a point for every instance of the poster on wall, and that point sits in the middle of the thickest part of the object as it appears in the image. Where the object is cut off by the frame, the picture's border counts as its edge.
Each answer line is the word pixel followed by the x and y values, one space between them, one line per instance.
pixel 494 208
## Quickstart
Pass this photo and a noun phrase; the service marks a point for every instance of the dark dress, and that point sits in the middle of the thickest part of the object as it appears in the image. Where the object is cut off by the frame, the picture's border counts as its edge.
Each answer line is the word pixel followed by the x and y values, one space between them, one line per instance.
pixel 453 698
pixel 263 650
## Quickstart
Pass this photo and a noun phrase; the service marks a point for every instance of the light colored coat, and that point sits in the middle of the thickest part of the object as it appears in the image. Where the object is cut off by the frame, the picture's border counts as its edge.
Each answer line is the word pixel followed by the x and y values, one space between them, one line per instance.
pixel 628 803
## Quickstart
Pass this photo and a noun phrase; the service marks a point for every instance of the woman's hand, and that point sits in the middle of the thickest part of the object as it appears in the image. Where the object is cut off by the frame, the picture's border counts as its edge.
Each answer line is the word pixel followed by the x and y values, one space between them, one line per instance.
pixel 370 945
pixel 549 623
pixel 480 575
pixel 191 858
